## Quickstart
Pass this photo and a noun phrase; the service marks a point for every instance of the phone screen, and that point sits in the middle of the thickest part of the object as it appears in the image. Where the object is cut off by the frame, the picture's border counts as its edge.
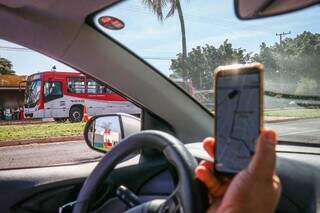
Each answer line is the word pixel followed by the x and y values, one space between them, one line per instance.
pixel 237 120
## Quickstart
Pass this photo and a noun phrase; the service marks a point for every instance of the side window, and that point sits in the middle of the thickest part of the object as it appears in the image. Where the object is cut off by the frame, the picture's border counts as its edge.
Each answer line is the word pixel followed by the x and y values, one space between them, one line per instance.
pixel 76 85
pixel 29 95
pixel 109 91
pixel 52 90
pixel 94 87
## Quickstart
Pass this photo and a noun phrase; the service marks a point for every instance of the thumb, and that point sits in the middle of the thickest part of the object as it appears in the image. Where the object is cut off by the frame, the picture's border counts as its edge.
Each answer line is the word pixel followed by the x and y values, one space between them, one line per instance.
pixel 264 160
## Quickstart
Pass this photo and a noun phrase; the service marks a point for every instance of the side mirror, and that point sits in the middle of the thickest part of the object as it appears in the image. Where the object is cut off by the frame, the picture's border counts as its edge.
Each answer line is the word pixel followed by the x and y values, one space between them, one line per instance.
pixel 253 9
pixel 103 132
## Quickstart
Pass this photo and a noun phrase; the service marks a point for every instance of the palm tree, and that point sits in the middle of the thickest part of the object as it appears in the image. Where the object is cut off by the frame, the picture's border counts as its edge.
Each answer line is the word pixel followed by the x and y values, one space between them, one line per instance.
pixel 157 7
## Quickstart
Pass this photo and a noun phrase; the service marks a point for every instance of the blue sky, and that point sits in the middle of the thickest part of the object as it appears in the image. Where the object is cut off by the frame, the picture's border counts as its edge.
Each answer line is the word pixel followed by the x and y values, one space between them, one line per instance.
pixel 207 22
pixel 26 61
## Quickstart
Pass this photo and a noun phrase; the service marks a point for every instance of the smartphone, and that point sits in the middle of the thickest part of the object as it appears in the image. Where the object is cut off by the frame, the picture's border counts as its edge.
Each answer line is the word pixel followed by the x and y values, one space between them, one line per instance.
pixel 238 115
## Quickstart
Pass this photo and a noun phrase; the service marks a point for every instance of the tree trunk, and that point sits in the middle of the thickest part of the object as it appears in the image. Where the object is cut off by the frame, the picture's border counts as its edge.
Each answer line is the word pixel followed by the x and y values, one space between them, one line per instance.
pixel 184 41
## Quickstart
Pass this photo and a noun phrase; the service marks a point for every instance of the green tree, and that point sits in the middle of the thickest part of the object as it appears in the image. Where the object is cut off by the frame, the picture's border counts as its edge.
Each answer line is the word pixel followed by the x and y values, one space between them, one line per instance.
pixel 266 57
pixel 157 7
pixel 5 66
pixel 293 59
pixel 201 62
pixel 307 86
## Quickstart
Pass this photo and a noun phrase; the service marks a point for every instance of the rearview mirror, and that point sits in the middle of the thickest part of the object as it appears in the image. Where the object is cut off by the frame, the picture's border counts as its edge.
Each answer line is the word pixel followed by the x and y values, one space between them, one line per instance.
pixel 103 132
pixel 252 9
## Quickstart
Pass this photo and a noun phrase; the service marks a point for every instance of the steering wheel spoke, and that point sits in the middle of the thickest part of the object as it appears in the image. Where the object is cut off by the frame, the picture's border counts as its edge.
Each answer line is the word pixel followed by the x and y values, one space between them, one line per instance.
pixel 172 204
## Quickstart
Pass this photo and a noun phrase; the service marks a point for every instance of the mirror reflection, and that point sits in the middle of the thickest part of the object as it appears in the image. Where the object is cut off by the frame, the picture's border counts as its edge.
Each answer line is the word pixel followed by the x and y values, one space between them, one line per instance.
pixel 105 132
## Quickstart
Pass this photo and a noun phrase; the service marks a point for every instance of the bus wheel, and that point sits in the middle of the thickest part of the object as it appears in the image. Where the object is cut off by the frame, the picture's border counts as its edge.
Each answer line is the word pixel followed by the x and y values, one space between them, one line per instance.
pixel 60 120
pixel 75 114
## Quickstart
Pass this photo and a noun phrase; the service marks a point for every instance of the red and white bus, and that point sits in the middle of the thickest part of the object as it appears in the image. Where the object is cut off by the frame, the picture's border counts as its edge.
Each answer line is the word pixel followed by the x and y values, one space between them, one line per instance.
pixel 63 95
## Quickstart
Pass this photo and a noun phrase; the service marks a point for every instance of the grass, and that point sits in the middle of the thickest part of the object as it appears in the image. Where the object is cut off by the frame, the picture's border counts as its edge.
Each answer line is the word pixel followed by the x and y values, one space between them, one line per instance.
pixel 40 131
pixel 294 113
pixel 47 130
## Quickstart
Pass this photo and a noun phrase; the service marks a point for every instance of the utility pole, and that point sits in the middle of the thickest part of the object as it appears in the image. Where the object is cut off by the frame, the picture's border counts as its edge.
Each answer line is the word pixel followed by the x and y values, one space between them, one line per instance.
pixel 281 35
pixel 278 71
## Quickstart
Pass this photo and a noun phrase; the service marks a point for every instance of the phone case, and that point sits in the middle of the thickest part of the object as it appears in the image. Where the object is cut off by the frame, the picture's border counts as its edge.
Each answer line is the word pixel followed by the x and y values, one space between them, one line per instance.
pixel 236 70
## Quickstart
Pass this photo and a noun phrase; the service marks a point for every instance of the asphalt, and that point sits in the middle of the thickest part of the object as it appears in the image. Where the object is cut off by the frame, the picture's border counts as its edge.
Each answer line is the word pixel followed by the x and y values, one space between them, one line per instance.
pixel 74 152
pixel 39 155
pixel 303 130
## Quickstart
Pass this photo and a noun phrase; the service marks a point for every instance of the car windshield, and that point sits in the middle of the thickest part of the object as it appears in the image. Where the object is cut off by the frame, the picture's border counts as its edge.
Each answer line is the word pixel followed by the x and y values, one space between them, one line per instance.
pixel 187 40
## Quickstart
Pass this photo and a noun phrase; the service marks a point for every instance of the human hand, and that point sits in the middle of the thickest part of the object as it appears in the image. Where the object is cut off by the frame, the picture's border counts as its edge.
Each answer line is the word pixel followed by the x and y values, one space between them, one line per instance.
pixel 255 189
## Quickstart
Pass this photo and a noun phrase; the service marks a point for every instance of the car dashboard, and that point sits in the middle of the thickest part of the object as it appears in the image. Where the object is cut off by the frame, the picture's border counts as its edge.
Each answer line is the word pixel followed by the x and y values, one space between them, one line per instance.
pixel 299 171
pixel 297 167
pixel 47 189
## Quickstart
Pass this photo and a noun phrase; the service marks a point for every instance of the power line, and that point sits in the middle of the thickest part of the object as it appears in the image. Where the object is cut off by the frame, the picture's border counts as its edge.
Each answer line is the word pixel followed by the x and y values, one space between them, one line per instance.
pixel 158 58
pixel 22 49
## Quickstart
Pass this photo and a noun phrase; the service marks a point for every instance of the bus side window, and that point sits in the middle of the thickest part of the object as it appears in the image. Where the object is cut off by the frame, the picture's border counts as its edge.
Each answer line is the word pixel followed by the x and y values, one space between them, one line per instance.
pixel 46 89
pixel 94 87
pixel 76 85
pixel 52 90
pixel 108 91
pixel 56 89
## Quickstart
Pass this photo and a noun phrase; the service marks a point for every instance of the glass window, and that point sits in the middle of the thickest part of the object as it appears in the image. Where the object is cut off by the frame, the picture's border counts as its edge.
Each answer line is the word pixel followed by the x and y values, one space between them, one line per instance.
pixel 187 41
pixel 109 91
pixel 32 93
pixel 40 98
pixel 76 85
pixel 94 87
pixel 52 89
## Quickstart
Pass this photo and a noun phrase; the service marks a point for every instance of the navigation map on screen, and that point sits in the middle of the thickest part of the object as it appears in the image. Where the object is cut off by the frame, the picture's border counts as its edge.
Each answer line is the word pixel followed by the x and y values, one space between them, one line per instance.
pixel 237 124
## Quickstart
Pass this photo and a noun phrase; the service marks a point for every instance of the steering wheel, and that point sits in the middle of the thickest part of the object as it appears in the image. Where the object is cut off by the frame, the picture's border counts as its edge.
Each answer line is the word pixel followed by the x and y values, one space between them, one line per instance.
pixel 190 195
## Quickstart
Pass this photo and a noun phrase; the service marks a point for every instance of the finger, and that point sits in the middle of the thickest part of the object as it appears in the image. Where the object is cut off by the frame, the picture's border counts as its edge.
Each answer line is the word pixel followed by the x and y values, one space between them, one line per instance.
pixel 215 188
pixel 215 205
pixel 264 160
pixel 208 145
pixel 207 164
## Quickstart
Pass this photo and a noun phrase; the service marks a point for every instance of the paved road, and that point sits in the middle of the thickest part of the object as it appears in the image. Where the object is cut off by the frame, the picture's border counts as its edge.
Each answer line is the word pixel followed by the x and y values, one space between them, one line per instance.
pixel 46 154
pixel 305 130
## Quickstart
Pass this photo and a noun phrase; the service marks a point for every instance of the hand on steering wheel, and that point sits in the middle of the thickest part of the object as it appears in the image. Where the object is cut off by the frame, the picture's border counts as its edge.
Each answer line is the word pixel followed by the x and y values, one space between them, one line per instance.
pixel 255 189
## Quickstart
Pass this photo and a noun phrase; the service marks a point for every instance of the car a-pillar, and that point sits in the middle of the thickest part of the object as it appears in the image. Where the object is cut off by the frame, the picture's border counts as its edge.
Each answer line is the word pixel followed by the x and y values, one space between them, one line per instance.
pixel 76 113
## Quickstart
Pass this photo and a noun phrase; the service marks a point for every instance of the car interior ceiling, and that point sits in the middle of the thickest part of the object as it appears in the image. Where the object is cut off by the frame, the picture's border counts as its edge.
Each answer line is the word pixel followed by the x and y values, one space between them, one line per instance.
pixel 73 39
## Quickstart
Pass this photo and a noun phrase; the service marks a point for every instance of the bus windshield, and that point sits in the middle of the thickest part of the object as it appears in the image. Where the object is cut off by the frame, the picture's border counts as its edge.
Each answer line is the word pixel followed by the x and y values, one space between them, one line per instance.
pixel 32 93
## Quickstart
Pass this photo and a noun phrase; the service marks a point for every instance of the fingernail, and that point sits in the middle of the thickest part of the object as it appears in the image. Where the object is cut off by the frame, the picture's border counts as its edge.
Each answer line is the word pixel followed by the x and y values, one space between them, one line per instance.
pixel 269 136
pixel 199 172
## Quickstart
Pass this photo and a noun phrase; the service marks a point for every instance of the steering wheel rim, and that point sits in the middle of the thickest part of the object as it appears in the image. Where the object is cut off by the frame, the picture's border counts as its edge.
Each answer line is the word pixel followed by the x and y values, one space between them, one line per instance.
pixel 191 193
